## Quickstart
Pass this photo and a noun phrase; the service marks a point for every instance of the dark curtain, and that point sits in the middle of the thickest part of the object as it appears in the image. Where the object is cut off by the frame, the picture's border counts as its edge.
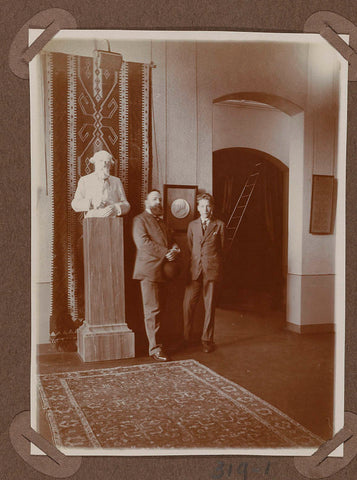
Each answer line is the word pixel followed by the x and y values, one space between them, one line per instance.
pixel 272 189
pixel 272 196
pixel 87 109
pixel 227 196
pixel 254 265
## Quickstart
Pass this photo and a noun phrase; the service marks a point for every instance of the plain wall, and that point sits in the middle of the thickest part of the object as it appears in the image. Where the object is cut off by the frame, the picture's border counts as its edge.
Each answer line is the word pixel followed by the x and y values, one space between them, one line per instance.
pixel 263 129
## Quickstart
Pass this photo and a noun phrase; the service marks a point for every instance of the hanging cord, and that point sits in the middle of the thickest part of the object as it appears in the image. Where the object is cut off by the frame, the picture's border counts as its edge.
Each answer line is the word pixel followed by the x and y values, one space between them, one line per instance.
pixel 96 49
pixel 159 170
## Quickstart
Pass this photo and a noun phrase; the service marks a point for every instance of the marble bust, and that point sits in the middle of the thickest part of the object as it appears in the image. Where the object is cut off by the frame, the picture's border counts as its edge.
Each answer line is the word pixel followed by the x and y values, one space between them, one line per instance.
pixel 100 194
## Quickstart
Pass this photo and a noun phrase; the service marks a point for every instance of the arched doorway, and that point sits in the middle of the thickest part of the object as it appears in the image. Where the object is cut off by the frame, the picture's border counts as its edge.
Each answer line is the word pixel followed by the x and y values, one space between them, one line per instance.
pixel 256 264
pixel 272 124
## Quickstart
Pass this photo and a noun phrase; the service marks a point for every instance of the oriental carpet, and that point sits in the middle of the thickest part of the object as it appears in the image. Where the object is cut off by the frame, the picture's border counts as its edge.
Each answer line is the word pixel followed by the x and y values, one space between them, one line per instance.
pixel 180 404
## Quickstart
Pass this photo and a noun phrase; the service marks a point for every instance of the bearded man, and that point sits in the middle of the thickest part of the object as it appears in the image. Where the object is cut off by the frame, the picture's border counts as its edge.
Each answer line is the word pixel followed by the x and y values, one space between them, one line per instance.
pixel 154 246
pixel 99 194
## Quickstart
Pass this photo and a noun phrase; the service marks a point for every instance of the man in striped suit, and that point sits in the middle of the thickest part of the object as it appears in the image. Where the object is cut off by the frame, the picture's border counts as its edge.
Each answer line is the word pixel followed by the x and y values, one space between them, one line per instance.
pixel 155 246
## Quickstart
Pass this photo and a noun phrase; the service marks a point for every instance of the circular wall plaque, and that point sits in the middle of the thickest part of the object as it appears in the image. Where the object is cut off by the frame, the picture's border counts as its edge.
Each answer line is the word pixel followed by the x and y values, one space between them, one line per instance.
pixel 180 208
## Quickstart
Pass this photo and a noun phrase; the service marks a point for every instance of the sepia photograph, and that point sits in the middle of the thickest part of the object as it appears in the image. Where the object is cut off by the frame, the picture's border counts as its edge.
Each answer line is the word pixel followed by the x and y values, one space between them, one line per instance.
pixel 188 242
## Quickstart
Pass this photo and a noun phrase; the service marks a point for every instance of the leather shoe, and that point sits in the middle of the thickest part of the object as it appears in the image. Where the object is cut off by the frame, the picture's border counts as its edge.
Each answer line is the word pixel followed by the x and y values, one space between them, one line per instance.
pixel 160 356
pixel 207 347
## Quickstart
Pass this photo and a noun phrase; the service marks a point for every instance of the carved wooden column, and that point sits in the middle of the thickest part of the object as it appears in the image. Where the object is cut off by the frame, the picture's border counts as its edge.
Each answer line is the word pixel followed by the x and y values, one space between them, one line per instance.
pixel 104 334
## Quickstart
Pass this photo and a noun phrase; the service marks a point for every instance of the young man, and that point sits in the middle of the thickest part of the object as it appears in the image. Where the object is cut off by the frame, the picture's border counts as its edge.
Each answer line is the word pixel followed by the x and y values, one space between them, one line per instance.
pixel 154 245
pixel 205 238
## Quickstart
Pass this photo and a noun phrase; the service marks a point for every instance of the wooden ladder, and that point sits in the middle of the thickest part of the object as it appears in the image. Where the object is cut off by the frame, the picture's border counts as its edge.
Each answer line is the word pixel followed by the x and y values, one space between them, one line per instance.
pixel 241 206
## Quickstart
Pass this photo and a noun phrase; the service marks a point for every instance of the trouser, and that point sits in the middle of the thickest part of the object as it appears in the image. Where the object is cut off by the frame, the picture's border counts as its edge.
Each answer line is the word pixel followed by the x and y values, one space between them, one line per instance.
pixel 153 295
pixel 192 295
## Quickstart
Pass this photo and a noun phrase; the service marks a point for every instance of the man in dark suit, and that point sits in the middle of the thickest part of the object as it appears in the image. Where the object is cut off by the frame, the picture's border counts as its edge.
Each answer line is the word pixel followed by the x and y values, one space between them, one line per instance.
pixel 154 246
pixel 205 238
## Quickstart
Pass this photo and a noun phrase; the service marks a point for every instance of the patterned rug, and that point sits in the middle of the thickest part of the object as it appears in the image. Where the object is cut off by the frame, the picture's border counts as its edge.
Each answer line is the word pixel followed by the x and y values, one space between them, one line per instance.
pixel 180 404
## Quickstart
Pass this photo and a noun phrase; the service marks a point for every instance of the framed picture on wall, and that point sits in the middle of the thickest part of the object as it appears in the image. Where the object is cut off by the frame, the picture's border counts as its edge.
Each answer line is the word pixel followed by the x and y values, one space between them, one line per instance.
pixel 322 204
pixel 179 205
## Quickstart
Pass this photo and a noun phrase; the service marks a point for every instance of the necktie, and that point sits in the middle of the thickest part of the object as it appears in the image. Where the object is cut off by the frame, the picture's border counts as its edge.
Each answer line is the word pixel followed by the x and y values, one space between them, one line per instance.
pixel 204 225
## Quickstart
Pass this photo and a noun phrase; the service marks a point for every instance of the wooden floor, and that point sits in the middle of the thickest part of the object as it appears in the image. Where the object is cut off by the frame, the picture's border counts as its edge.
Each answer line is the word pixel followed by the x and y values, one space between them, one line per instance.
pixel 290 371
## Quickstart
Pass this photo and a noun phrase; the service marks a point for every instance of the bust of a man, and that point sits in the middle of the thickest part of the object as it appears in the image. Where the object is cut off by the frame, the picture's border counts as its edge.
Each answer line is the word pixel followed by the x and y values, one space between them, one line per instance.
pixel 99 194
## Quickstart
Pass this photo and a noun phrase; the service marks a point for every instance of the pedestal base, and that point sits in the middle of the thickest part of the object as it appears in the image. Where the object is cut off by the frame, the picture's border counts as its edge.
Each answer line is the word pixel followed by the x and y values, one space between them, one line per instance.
pixel 105 342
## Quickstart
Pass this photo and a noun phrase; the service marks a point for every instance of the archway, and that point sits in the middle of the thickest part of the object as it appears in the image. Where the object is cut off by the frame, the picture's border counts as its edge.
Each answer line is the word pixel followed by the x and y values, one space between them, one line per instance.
pixel 262 98
pixel 256 264
pixel 273 126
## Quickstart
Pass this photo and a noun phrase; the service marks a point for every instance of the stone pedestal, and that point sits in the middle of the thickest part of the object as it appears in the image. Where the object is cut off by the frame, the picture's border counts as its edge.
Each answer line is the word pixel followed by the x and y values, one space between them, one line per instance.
pixel 104 334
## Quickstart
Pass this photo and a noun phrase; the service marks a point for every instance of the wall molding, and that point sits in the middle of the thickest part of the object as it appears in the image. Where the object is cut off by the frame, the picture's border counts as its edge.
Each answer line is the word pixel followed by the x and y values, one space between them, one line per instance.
pixel 311 328
pixel 46 349
pixel 247 105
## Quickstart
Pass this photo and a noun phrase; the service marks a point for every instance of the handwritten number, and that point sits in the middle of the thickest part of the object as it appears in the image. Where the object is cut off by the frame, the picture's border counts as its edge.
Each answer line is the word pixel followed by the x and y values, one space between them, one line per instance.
pixel 243 470
pixel 219 471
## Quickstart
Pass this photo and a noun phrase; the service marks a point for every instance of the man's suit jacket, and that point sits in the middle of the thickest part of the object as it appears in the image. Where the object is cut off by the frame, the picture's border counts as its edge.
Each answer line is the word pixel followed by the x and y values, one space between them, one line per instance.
pixel 153 241
pixel 206 249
